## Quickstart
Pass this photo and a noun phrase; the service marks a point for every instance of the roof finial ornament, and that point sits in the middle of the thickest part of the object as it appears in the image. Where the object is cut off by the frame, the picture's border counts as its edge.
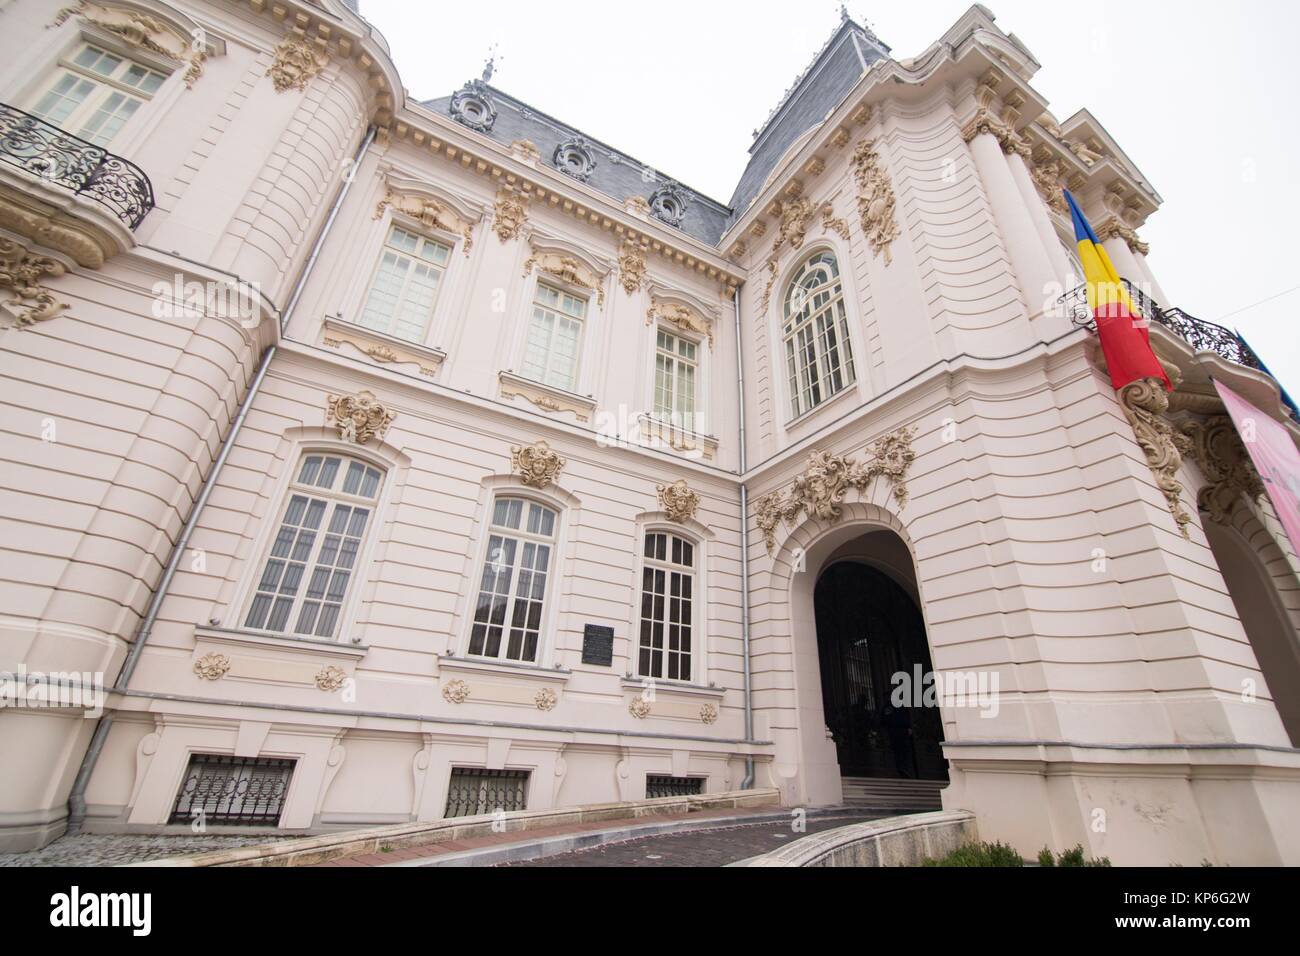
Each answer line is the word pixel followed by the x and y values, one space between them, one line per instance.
pixel 490 65
pixel 844 11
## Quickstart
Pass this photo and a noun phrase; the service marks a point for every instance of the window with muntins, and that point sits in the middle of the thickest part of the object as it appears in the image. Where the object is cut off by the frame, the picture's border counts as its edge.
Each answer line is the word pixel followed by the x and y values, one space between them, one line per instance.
pixel 667 607
pixel 512 587
pixel 313 557
pixel 819 358
pixel 94 92
pixel 676 363
pixel 405 286
pixel 554 338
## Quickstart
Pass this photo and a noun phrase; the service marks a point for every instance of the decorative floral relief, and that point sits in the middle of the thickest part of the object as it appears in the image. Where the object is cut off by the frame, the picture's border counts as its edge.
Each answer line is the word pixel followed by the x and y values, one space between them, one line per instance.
pixel 833 224
pixel 536 465
pixel 21 273
pixel 297 61
pixel 795 217
pixel 455 692
pixel 771 281
pixel 567 269
pixel 511 212
pixel 545 699
pixel 708 714
pixel 631 266
pixel 1216 447
pixel 331 677
pixel 358 417
pixel 682 317
pixel 875 199
pixel 212 666
pixel 639 708
pixel 678 501
pixel 1145 403
pixel 142 32
pixel 1047 175
pixel 820 490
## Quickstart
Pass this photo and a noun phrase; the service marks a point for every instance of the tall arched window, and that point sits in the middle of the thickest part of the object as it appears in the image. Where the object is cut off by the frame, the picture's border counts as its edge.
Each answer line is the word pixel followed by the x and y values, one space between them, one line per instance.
pixel 512 587
pixel 818 356
pixel 667 607
pixel 312 559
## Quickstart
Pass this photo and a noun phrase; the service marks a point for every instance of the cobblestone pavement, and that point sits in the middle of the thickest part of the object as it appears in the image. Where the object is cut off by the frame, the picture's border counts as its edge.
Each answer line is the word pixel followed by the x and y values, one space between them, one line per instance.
pixel 113 849
pixel 701 847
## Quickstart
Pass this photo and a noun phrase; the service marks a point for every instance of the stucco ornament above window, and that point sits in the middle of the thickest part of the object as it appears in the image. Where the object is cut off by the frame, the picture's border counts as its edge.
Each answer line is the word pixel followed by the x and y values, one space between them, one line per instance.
pixel 430 213
pixel 472 106
pixel 536 465
pixel 297 61
pixel 21 273
pixel 358 417
pixel 796 214
pixel 682 317
pixel 819 491
pixel 575 158
pixel 875 199
pixel 510 214
pixel 678 501
pixel 140 31
pixel 631 266
pixel 566 268
pixel 668 203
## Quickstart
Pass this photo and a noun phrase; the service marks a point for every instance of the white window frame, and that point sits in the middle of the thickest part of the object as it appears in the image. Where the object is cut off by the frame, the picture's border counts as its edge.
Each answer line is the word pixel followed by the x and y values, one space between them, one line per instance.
pixel 698 653
pixel 75 122
pixel 789 330
pixel 386 247
pixel 695 423
pixel 563 288
pixel 289 486
pixel 489 528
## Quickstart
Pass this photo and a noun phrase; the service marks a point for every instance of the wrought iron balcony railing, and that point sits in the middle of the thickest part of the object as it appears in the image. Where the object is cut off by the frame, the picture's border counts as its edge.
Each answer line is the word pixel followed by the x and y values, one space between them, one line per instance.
pixel 1199 334
pixel 34 145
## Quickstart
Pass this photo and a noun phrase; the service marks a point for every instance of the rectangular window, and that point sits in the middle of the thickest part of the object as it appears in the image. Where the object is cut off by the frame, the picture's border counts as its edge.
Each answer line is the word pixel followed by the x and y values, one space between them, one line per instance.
pixel 233 790
pixel 512 587
pixel 675 367
pixel 667 607
pixel 313 556
pixel 94 93
pixel 405 286
pixel 474 791
pixel 554 338
pixel 662 786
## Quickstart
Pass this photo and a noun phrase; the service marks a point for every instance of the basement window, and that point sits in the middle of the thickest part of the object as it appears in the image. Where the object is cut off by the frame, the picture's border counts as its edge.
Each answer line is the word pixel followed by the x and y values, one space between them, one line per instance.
pixel 660 786
pixel 233 791
pixel 474 791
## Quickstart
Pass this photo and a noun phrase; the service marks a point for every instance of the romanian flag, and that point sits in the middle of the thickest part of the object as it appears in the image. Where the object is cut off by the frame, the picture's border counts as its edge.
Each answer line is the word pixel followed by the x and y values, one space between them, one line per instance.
pixel 1120 325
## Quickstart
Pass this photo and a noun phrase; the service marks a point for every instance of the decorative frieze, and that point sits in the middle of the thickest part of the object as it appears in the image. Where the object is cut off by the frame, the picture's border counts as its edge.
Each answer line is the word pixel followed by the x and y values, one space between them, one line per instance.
pixel 1216 447
pixel 510 213
pixel 1145 403
pixel 212 666
pixel 819 492
pixel 455 692
pixel 297 61
pixel 429 212
pixel 536 465
pixel 331 678
pixel 876 199
pixel 358 417
pixel 21 273
pixel 631 266
pixel 678 501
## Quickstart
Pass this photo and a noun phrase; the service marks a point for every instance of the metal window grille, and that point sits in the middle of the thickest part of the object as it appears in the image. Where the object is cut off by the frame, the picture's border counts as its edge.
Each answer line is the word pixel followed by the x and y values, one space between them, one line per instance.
pixel 233 790
pixel 659 786
pixel 474 790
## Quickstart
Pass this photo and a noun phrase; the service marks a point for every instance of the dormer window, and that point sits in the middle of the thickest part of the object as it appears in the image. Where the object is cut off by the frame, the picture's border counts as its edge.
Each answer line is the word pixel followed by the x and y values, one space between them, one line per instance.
pixel 575 158
pixel 668 204
pixel 472 106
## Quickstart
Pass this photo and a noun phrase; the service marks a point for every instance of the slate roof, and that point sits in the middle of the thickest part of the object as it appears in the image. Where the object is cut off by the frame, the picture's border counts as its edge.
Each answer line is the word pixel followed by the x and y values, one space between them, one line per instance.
pixel 820 89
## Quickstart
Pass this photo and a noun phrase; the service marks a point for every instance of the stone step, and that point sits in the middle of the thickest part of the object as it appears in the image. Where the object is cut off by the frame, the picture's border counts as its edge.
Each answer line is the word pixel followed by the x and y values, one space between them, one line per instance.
pixel 889 794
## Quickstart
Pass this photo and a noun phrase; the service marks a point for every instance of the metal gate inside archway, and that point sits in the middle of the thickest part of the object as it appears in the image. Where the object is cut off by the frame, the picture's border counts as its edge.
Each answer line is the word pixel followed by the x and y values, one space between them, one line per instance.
pixel 869 630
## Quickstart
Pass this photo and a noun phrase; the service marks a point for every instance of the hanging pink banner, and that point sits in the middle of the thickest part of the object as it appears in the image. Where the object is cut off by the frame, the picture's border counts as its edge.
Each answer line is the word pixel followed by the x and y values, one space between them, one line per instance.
pixel 1275 457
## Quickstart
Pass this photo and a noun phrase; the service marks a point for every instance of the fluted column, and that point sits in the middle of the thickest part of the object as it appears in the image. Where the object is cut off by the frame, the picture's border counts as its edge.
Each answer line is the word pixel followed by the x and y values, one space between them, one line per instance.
pixel 1038 213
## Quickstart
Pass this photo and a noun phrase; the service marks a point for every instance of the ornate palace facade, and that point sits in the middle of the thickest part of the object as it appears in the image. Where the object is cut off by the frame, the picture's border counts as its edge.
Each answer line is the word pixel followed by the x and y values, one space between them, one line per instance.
pixel 393 459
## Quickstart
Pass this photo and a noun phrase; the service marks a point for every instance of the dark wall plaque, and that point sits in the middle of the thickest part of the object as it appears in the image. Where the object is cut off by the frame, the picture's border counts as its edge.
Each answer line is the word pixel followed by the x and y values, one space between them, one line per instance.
pixel 598 645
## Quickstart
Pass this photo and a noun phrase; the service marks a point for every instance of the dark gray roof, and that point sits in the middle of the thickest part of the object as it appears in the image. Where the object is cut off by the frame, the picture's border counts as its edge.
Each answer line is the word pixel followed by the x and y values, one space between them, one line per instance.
pixel 819 90
pixel 822 87
pixel 615 173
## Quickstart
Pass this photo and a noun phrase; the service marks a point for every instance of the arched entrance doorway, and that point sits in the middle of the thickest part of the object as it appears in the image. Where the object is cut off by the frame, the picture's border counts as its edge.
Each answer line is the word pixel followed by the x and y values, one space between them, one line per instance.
pixel 869 631
pixel 1254 593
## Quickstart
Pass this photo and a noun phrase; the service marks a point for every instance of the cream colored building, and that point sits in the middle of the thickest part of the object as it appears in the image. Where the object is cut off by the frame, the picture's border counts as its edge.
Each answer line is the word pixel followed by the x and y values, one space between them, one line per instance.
pixel 488 527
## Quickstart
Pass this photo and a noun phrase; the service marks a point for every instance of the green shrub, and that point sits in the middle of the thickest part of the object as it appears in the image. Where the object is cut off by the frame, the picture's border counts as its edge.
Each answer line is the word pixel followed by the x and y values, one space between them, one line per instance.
pixel 979 854
pixel 1072 857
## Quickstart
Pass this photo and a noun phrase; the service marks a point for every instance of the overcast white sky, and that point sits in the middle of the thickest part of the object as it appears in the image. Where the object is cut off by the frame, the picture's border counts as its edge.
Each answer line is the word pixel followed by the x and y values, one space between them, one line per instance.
pixel 1202 96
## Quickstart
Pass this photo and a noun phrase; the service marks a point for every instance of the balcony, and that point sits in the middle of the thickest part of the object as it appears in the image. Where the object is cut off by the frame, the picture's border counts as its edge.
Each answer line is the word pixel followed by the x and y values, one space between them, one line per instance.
pixel 62 159
pixel 1201 335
